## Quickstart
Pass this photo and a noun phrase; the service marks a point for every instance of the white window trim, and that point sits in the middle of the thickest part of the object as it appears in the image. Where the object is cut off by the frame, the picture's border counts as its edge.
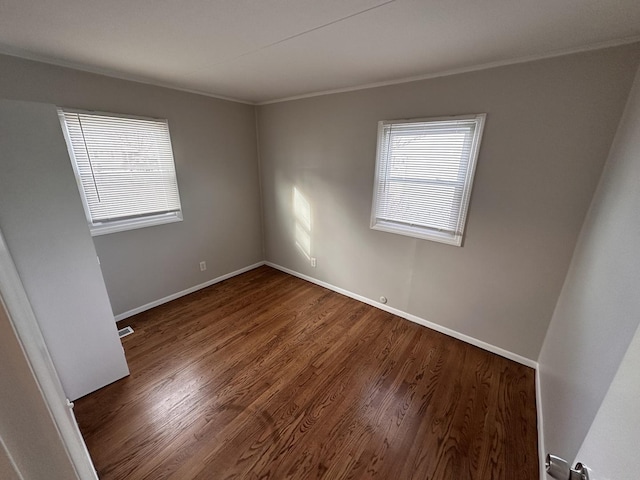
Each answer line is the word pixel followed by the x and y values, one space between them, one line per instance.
pixel 115 226
pixel 420 231
pixel 133 223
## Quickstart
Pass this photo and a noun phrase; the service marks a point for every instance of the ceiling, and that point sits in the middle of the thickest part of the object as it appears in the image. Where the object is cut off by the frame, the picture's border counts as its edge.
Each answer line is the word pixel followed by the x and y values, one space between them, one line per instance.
pixel 263 50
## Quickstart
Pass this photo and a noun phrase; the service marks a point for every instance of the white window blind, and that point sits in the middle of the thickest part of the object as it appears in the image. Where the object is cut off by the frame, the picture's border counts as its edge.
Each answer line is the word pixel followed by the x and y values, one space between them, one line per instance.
pixel 125 169
pixel 424 173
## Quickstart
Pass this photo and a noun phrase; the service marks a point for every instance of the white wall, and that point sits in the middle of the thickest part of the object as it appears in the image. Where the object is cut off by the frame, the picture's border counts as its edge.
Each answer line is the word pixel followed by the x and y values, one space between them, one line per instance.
pixel 46 232
pixel 214 143
pixel 549 128
pixel 599 308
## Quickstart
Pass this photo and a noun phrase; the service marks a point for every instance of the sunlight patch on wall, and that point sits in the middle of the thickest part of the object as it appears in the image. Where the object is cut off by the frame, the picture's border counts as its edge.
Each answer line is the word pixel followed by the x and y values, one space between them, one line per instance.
pixel 302 215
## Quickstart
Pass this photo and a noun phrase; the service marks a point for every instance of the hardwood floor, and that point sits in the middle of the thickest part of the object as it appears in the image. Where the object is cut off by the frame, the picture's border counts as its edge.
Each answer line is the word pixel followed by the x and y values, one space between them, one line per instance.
pixel 268 376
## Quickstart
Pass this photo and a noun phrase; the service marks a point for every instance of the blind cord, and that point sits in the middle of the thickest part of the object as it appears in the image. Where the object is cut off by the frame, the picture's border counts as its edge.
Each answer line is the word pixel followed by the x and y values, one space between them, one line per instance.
pixel 86 149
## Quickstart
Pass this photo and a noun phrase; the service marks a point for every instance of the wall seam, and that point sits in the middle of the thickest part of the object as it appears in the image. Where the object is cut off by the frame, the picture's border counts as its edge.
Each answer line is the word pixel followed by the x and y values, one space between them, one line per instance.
pixel 260 189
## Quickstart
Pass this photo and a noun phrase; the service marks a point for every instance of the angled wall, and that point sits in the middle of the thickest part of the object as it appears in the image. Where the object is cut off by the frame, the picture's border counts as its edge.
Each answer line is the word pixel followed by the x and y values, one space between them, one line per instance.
pixel 598 310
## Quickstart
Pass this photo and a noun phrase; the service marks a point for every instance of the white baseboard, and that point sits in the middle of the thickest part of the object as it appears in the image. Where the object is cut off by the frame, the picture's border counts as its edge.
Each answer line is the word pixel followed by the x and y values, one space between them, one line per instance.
pixel 195 288
pixel 452 333
pixel 413 318
pixel 408 316
pixel 541 452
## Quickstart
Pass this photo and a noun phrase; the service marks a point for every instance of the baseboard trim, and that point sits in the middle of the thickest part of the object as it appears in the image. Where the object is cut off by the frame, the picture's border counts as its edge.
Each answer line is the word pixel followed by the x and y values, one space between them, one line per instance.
pixel 541 452
pixel 413 318
pixel 182 293
pixel 400 313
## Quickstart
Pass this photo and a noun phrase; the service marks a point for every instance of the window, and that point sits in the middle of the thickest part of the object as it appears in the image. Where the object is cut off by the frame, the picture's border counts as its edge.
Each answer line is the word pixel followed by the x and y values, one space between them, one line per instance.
pixel 124 168
pixel 424 173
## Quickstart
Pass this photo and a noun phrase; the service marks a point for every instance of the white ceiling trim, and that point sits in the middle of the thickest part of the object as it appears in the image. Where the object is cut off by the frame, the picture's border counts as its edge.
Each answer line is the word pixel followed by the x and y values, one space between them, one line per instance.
pixel 19 53
pixel 456 71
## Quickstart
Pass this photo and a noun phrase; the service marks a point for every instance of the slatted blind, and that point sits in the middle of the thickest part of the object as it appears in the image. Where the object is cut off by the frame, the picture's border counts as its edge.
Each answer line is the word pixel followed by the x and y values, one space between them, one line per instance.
pixel 124 165
pixel 424 175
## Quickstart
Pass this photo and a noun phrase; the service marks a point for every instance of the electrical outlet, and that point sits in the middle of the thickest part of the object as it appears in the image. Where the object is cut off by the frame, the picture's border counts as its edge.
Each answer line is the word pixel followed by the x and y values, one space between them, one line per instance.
pixel 203 266
pixel 313 262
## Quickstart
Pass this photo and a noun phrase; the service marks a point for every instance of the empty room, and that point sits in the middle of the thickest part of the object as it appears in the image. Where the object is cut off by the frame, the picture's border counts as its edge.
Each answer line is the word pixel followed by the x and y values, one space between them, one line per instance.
pixel 391 239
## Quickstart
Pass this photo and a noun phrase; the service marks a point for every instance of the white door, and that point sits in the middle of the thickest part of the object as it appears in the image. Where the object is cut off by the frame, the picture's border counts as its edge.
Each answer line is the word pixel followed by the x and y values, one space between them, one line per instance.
pixel 611 447
pixel 46 231
pixel 39 437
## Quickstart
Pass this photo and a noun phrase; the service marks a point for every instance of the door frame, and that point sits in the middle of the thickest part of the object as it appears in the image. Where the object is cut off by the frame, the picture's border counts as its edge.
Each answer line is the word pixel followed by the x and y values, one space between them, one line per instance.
pixel 16 303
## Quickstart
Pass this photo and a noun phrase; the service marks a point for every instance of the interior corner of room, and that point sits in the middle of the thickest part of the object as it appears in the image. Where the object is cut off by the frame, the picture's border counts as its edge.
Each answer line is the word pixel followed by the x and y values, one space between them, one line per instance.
pixel 547 275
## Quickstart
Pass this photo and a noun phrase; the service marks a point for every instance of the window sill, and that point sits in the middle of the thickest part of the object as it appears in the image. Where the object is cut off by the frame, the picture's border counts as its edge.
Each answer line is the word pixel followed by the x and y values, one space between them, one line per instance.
pixel 134 223
pixel 417 232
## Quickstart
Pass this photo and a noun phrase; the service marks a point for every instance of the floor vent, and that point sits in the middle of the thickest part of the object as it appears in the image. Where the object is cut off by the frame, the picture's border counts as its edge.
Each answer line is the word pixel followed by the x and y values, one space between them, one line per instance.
pixel 123 332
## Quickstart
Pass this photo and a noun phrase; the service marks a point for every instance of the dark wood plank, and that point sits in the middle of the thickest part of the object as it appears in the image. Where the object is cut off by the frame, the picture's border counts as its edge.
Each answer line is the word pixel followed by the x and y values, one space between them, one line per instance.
pixel 268 376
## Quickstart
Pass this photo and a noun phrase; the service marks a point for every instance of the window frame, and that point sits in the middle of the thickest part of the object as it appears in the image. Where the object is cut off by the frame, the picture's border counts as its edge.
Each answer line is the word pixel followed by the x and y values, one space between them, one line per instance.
pixel 419 231
pixel 124 224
